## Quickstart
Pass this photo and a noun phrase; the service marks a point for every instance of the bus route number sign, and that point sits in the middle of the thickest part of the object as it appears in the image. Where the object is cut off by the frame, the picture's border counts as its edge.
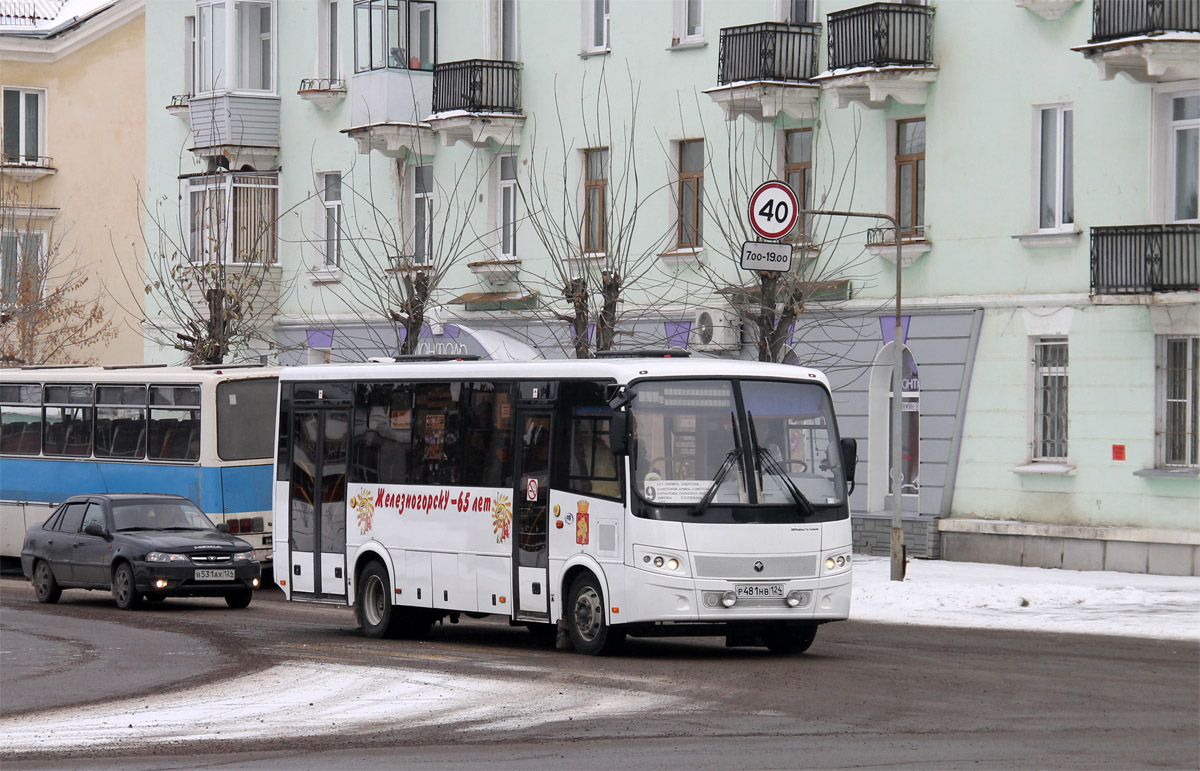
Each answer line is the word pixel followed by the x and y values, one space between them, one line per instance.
pixel 773 209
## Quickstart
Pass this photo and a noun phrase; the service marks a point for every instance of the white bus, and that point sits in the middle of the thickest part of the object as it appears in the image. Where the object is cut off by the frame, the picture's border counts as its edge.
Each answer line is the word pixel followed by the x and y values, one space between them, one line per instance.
pixel 652 496
pixel 206 433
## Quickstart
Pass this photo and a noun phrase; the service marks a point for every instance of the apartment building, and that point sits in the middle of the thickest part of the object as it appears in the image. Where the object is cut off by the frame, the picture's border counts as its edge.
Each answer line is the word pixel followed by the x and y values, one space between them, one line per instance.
pixel 528 178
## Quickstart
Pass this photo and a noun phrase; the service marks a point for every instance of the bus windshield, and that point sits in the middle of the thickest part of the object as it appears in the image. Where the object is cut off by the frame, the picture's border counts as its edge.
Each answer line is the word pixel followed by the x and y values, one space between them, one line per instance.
pixel 735 442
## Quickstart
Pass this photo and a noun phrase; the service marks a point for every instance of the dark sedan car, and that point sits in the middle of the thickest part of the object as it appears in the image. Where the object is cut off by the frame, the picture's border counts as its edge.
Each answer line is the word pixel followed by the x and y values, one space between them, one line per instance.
pixel 139 546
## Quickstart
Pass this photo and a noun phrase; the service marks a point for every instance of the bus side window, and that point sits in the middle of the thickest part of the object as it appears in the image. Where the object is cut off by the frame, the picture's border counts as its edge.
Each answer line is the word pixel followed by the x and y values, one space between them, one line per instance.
pixel 488 436
pixel 436 434
pixel 383 431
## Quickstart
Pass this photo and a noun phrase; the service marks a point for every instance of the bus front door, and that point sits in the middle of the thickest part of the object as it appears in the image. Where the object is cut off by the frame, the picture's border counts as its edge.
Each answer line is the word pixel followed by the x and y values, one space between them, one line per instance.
pixel 317 512
pixel 530 505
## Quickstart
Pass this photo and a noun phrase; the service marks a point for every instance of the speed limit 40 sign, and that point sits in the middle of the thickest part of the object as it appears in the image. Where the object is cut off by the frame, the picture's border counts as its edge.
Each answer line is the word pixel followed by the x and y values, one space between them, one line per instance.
pixel 773 209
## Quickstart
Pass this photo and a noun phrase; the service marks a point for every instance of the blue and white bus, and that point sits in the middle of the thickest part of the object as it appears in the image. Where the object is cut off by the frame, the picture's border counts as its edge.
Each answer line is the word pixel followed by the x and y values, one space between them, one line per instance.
pixel 206 433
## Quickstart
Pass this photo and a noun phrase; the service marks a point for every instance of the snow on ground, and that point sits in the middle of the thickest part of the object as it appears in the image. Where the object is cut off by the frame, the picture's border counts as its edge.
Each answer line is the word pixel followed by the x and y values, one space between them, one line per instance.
pixel 968 594
pixel 310 698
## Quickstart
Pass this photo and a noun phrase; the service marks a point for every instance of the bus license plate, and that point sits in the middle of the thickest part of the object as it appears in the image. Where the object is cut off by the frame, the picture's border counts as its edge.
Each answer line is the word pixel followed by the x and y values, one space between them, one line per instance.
pixel 759 590
pixel 214 575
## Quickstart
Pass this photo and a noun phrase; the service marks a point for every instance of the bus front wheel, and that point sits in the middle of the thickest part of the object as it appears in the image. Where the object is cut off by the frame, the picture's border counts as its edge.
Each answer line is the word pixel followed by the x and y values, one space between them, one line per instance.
pixel 787 639
pixel 591 633
pixel 376 614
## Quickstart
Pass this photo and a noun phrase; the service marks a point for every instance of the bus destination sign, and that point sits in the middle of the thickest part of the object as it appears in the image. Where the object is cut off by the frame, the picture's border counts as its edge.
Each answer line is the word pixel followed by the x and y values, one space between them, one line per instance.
pixel 757 255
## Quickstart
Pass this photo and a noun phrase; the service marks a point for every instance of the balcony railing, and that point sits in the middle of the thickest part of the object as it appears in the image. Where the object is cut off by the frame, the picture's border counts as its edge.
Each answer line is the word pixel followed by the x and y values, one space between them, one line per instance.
pixel 769 51
pixel 477 85
pixel 28 161
pixel 881 35
pixel 1115 19
pixel 322 84
pixel 1141 259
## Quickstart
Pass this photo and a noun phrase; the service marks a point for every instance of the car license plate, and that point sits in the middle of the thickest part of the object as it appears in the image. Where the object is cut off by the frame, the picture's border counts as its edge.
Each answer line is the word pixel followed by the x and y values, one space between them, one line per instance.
pixel 208 574
pixel 759 590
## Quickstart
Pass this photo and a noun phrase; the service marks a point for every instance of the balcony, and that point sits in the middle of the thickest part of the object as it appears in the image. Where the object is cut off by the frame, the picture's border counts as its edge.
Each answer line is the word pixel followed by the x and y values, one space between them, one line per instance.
pixel 325 93
pixel 477 101
pixel 1148 41
pixel 243 128
pixel 27 168
pixel 387 113
pixel 179 107
pixel 766 69
pixel 1145 259
pixel 879 51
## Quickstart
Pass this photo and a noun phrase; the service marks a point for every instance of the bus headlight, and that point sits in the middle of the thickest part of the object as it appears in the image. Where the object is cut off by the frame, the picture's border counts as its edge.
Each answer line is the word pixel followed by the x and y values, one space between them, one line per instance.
pixel 797 598
pixel 729 599
pixel 836 562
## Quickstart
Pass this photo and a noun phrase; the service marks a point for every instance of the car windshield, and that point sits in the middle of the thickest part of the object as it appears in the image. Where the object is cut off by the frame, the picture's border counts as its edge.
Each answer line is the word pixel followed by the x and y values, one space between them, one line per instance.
pixel 695 439
pixel 159 515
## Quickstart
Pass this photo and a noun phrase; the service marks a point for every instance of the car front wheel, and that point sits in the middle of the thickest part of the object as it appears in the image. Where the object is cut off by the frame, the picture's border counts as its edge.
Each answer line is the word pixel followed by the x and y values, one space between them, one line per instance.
pixel 239 599
pixel 45 585
pixel 124 589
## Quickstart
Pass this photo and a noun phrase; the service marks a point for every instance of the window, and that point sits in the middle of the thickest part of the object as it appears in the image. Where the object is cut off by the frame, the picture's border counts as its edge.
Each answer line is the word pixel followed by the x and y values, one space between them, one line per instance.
pixel 68 420
pixel 1050 398
pixel 24 120
pixel 797 11
pixel 798 175
pixel 1185 153
pixel 121 421
pixel 1179 401
pixel 910 177
pixel 20 419
pixel 689 22
pixel 422 188
pixel 595 25
pixel 174 429
pixel 394 34
pixel 329 52
pixel 331 205
pixel 508 206
pixel 189 54
pixel 502 33
pixel 589 466
pixel 595 191
pixel 691 193
pixel 233 217
pixel 1055 161
pixel 435 433
pixel 235 51
pixel 245 416
pixel 20 261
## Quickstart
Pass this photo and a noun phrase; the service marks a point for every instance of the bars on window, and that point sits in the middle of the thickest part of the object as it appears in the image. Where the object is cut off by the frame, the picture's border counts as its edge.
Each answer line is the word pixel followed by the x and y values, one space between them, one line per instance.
pixel 1050 398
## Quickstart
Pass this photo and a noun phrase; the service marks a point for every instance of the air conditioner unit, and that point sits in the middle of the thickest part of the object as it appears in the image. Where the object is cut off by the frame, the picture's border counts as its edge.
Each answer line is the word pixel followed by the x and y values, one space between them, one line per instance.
pixel 716 328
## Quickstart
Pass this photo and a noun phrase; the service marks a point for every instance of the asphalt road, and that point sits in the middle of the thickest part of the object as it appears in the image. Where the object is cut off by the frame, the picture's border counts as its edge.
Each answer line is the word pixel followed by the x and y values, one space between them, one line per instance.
pixel 865 695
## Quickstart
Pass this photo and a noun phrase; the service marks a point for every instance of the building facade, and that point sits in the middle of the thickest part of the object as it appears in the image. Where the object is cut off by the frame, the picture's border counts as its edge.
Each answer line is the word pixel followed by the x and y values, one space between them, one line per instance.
pixel 71 175
pixel 527 178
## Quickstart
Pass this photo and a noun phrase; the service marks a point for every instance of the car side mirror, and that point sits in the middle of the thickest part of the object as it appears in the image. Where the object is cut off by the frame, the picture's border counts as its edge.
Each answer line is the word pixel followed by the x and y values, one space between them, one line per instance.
pixel 96 530
pixel 849 448
pixel 222 527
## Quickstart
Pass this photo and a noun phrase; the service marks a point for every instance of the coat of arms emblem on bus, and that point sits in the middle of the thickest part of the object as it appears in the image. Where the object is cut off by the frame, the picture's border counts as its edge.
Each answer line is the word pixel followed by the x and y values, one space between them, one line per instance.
pixel 581 523
pixel 501 518
pixel 364 504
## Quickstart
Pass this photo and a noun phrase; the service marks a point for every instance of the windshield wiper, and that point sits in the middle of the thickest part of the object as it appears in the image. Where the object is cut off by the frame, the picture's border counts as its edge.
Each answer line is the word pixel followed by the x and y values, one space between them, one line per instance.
pixel 775 467
pixel 767 459
pixel 730 459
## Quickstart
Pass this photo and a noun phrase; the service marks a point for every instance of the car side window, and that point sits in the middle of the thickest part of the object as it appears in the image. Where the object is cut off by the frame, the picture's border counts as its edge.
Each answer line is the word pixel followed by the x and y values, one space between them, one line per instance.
pixel 73 518
pixel 94 516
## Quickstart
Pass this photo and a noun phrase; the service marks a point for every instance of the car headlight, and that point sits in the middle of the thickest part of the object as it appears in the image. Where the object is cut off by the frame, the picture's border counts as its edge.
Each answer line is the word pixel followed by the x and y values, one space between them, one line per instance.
pixel 243 556
pixel 160 556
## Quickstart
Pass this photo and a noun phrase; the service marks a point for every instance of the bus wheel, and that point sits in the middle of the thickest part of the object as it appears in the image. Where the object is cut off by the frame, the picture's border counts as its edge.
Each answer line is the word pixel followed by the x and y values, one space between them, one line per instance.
pixel 376 614
pixel 45 585
pixel 789 638
pixel 124 589
pixel 239 599
pixel 590 633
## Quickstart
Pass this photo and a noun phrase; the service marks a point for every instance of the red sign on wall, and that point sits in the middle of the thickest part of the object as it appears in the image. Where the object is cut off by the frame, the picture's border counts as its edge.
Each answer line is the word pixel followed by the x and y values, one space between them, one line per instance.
pixel 1118 452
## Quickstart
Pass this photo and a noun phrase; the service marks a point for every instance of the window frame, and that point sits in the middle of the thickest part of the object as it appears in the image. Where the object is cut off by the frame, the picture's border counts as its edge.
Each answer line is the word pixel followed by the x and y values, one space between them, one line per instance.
pixel 1043 441
pixel 683 22
pixel 914 230
pixel 1190 400
pixel 414 16
pixel 421 203
pixel 802 232
pixel 329 49
pixel 1061 168
pixel 240 57
pixel 23 156
pixel 506 207
pixel 696 179
pixel 331 214
pixel 591 11
pixel 785 11
pixel 598 248
pixel 12 286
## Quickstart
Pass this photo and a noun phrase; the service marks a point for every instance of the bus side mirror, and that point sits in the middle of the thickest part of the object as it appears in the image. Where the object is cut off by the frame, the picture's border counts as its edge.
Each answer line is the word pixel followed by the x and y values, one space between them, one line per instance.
pixel 618 433
pixel 849 448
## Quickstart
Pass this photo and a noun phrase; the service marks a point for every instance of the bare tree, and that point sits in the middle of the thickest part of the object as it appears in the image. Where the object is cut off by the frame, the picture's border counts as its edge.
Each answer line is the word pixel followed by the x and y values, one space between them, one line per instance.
pixel 210 274
pixel 588 224
pixel 771 303
pixel 48 311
